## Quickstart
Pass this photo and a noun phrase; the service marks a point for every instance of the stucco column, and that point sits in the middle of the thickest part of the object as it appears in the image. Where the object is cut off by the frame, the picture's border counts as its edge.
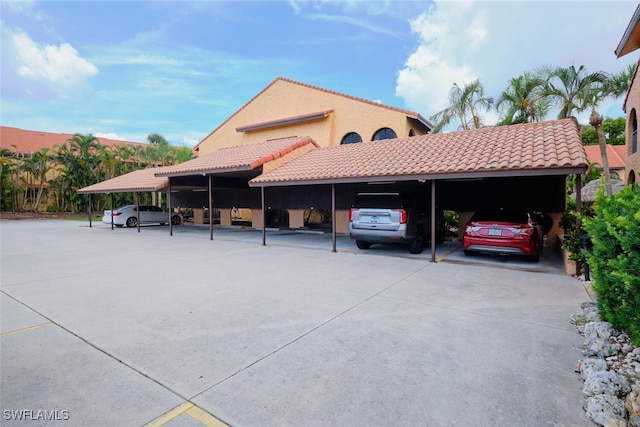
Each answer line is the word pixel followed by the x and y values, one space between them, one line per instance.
pixel 256 218
pixel 342 221
pixel 198 215
pixel 225 216
pixel 296 218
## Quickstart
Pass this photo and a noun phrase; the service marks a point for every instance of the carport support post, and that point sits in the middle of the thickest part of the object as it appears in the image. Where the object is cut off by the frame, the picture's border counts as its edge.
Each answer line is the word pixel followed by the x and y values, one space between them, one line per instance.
pixel 333 218
pixel 433 220
pixel 112 208
pixel 138 209
pixel 264 218
pixel 169 208
pixel 89 210
pixel 210 207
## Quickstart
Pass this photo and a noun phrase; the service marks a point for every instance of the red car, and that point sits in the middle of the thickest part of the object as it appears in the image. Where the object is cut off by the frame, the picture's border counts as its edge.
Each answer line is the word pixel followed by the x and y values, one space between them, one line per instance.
pixel 505 233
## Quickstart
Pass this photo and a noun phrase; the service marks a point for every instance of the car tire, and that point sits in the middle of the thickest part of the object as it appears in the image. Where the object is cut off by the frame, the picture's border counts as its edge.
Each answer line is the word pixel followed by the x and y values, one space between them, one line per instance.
pixel 361 244
pixel 118 225
pixel 176 220
pixel 416 245
pixel 132 222
pixel 534 258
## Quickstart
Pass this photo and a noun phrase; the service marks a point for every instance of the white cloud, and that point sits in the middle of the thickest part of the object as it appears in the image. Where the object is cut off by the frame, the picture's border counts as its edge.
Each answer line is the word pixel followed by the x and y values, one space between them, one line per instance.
pixel 59 68
pixel 496 41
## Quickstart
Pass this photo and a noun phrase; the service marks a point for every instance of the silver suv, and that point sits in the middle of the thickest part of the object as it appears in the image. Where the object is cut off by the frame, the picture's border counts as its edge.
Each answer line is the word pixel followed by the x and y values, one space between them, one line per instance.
pixel 391 218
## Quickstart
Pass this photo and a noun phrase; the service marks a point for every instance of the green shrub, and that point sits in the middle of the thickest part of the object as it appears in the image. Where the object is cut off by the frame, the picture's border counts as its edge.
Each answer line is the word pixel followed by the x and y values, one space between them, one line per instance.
pixel 615 259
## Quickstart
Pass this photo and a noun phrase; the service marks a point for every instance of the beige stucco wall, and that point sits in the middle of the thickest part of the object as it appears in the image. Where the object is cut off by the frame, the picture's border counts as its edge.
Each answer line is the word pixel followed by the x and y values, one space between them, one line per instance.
pixel 632 104
pixel 285 99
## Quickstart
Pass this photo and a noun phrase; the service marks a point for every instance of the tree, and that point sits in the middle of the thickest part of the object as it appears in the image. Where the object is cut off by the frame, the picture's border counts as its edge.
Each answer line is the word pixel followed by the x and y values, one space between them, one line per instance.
pixel 79 160
pixel 463 106
pixel 37 166
pixel 567 87
pixel 592 95
pixel 614 132
pixel 522 100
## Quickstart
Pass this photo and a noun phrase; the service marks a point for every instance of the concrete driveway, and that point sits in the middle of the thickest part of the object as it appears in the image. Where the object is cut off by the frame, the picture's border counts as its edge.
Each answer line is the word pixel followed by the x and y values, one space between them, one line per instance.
pixel 103 328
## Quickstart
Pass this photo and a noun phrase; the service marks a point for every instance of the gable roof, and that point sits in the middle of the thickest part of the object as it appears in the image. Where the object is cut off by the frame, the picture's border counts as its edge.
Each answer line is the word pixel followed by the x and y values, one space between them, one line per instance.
pixel 616 155
pixel 237 159
pixel 631 38
pixel 408 113
pixel 30 141
pixel 552 147
pixel 140 180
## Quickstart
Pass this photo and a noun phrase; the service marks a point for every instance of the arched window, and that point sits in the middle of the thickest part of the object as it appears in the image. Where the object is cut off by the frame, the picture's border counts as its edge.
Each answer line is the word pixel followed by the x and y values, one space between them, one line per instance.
pixel 411 133
pixel 384 133
pixel 632 178
pixel 351 138
pixel 634 132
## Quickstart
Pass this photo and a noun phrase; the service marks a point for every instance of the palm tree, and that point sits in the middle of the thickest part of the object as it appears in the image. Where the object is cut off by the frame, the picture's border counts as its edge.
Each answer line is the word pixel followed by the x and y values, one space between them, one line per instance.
pixel 37 166
pixel 463 106
pixel 522 101
pixel 613 86
pixel 568 86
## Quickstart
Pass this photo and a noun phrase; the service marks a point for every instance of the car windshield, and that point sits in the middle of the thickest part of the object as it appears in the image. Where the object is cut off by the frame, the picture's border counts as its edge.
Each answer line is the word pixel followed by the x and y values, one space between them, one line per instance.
pixel 501 216
pixel 382 201
pixel 122 208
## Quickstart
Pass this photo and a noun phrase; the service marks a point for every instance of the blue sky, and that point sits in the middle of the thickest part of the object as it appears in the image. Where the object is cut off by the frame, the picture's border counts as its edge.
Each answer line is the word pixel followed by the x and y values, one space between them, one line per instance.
pixel 125 69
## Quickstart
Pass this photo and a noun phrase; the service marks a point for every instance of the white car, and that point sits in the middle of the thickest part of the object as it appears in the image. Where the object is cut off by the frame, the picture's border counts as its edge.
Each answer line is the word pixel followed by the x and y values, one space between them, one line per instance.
pixel 127 215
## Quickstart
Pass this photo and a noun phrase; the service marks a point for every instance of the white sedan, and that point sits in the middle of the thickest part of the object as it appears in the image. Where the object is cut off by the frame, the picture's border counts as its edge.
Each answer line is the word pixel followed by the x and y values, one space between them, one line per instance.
pixel 127 215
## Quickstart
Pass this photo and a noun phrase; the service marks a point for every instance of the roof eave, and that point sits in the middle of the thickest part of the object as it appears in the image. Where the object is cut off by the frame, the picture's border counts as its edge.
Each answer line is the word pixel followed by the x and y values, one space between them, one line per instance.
pixel 433 176
pixel 632 28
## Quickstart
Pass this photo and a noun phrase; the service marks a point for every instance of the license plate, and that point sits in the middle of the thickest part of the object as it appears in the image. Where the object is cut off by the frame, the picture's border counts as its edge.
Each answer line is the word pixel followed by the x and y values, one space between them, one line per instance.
pixel 495 232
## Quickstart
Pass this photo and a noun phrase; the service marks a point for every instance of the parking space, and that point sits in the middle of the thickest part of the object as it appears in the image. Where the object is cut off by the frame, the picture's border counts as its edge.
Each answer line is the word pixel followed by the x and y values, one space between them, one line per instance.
pixel 125 328
pixel 449 251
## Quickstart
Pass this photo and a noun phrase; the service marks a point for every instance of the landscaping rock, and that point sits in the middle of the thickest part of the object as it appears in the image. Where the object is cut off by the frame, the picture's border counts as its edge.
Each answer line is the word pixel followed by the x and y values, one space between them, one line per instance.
pixel 604 407
pixel 605 382
pixel 588 366
pixel 632 403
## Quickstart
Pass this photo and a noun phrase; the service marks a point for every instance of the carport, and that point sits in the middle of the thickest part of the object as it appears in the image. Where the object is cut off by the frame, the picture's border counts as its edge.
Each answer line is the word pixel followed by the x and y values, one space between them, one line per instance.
pixel 522 166
pixel 143 180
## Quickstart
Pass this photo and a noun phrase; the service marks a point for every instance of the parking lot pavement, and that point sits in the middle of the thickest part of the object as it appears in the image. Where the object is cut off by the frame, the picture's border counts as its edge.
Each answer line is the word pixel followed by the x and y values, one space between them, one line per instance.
pixel 104 327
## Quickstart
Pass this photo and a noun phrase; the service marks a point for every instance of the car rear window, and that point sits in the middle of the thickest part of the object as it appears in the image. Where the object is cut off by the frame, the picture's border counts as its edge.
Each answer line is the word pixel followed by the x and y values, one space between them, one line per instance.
pixel 506 216
pixel 382 201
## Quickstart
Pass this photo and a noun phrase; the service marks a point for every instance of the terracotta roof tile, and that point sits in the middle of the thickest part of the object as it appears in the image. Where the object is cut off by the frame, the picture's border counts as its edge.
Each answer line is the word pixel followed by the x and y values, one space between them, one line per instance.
pixel 140 180
pixel 30 141
pixel 240 158
pixel 526 147
pixel 616 155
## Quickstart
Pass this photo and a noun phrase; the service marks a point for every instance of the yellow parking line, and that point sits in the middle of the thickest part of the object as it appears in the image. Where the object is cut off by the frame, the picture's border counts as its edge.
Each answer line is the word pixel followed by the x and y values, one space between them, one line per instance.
pixel 447 254
pixel 30 328
pixel 205 418
pixel 191 410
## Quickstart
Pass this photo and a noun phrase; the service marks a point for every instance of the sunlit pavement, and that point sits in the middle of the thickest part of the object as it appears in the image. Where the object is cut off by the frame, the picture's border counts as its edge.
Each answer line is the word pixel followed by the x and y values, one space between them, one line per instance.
pixel 103 327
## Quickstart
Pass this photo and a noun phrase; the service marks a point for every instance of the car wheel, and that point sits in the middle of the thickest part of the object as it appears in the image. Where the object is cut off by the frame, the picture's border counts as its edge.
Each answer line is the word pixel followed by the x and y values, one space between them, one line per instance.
pixel 176 220
pixel 361 244
pixel 132 222
pixel 415 247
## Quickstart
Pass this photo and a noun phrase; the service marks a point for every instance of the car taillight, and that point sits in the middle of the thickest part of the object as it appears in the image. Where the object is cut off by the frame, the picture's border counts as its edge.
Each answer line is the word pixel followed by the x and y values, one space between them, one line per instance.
pixel 116 213
pixel 351 214
pixel 522 231
pixel 403 215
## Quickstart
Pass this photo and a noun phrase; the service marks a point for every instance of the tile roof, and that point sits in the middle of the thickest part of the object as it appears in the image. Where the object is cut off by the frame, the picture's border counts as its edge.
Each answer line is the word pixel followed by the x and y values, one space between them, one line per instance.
pixel 616 155
pixel 140 180
pixel 241 158
pixel 552 147
pixel 411 114
pixel 30 141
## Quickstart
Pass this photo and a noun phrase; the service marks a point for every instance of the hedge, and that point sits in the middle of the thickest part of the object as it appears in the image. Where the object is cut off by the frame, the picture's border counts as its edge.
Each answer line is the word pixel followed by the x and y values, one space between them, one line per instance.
pixel 615 258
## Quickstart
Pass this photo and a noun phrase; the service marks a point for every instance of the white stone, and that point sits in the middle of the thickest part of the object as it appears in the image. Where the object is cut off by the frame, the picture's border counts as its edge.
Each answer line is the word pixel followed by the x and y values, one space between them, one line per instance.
pixel 604 407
